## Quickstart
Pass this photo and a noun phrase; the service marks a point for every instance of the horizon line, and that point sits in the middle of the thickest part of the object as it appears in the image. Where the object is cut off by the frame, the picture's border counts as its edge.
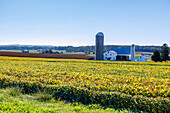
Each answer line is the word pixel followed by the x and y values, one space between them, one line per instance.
pixel 79 45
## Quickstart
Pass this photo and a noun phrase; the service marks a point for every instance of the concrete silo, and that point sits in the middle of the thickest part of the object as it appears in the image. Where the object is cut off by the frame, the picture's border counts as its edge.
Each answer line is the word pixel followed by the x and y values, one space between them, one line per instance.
pixel 132 52
pixel 99 46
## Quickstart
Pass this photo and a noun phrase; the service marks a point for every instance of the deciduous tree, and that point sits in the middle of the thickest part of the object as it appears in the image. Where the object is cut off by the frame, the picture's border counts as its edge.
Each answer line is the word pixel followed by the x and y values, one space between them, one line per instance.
pixel 156 56
pixel 164 52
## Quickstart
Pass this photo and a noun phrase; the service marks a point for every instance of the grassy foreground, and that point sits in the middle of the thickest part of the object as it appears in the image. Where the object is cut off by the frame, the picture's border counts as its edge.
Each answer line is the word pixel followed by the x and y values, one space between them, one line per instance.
pixel 12 101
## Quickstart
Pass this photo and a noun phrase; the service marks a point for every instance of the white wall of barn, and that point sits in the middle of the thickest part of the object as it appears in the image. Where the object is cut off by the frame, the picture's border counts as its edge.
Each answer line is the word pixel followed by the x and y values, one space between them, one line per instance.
pixel 110 55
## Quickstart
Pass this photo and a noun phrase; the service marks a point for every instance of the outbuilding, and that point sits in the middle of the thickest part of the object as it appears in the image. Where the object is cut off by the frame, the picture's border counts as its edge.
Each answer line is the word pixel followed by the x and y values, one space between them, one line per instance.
pixel 142 59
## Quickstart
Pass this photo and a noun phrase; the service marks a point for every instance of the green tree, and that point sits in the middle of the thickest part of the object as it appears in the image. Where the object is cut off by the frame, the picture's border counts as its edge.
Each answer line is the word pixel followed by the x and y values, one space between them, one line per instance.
pixel 46 51
pixel 164 52
pixel 156 56
pixel 50 51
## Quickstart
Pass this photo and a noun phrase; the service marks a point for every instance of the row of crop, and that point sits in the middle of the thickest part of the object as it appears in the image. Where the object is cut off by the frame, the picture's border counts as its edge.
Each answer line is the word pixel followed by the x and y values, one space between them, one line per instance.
pixel 111 99
pixel 152 87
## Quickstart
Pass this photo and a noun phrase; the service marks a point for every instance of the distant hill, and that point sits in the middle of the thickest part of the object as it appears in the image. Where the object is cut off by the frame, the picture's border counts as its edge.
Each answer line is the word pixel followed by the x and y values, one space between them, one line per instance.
pixel 80 48
pixel 108 47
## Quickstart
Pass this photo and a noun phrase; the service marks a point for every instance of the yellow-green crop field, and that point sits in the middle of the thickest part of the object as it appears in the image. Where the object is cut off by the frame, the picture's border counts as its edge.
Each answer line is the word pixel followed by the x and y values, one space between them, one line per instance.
pixel 135 85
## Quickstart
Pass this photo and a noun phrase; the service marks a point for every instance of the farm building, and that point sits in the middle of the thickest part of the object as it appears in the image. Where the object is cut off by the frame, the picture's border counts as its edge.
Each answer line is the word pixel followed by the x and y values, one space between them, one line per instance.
pixel 25 51
pixel 110 55
pixel 146 54
pixel 142 59
pixel 120 54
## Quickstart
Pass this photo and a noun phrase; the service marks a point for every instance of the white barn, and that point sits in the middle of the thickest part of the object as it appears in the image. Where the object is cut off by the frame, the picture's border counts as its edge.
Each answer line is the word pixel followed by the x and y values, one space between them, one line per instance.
pixel 110 55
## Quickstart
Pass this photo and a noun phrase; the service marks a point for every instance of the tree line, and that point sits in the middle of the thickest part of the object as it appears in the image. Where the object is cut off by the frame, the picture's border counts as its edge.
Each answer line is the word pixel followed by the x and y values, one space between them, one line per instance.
pixel 80 48
pixel 88 49
pixel 163 55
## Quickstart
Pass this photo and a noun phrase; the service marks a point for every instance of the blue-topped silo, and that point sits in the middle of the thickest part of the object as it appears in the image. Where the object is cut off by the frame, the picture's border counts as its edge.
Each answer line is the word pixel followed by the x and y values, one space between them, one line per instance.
pixel 99 46
pixel 133 52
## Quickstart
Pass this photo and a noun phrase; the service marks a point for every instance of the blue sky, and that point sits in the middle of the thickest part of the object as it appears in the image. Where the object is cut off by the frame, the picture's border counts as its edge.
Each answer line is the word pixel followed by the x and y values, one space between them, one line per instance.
pixel 75 22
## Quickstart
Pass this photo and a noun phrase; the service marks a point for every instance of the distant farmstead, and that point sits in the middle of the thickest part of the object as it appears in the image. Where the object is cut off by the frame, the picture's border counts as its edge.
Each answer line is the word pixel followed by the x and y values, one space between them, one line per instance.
pixel 115 54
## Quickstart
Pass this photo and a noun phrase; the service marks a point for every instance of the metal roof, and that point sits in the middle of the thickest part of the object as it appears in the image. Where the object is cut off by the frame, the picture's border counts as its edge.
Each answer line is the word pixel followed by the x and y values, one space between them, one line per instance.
pixel 121 51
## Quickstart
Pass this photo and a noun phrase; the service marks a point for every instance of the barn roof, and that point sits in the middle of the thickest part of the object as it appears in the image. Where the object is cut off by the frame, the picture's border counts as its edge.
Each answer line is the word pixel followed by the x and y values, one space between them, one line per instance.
pixel 121 51
pixel 113 52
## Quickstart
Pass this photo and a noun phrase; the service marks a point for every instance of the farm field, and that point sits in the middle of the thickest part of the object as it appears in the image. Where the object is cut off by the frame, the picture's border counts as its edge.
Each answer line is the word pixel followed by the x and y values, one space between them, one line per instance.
pixel 45 55
pixel 32 51
pixel 131 85
pixel 11 50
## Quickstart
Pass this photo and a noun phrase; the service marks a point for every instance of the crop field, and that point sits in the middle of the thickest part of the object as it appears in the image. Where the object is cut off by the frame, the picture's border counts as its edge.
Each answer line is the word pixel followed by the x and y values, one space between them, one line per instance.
pixel 133 85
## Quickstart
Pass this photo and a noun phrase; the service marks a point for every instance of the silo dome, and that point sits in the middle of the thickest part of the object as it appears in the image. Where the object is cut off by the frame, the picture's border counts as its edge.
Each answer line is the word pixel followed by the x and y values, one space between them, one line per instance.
pixel 100 34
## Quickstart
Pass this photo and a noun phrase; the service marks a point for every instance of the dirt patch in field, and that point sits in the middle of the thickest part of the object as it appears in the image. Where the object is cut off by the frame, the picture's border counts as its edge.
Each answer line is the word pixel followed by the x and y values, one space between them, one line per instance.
pixel 40 55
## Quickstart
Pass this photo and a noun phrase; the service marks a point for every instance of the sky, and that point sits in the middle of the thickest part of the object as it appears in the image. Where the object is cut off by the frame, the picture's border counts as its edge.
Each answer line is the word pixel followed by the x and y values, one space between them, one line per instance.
pixel 76 22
